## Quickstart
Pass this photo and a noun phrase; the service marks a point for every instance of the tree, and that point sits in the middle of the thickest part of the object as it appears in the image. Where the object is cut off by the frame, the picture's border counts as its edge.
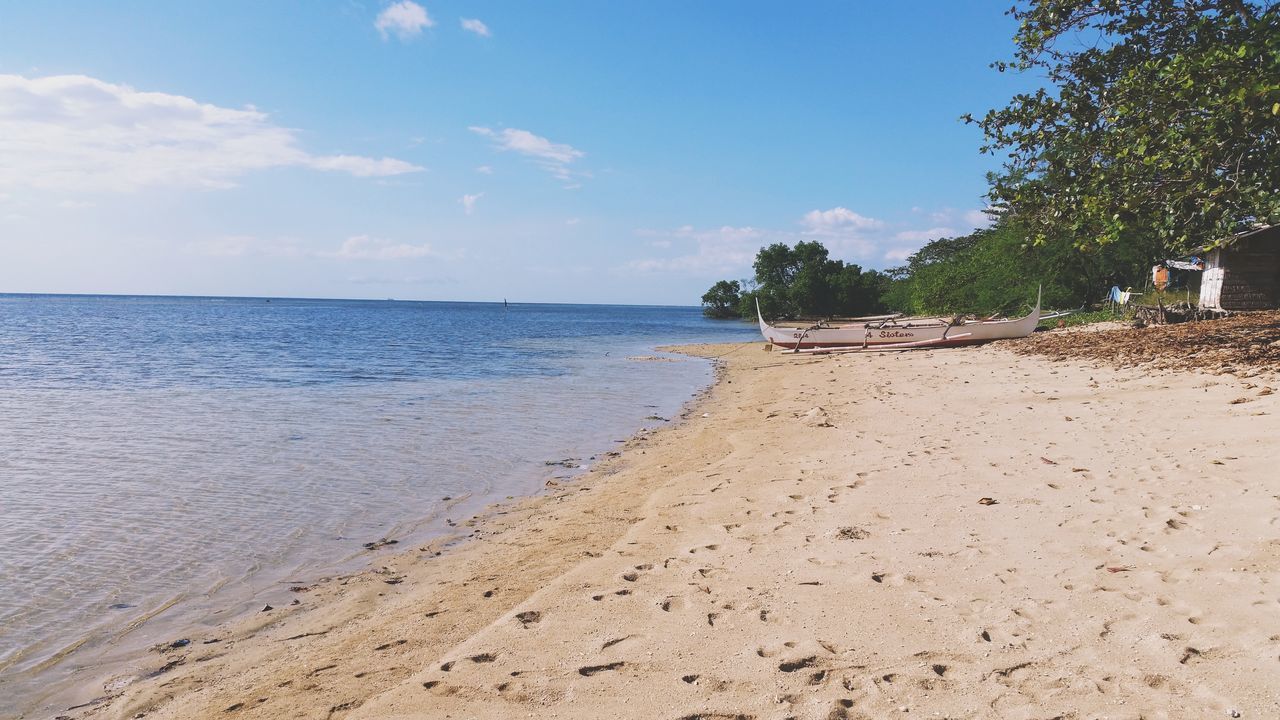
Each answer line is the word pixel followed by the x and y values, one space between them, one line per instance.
pixel 803 281
pixel 722 300
pixel 1161 121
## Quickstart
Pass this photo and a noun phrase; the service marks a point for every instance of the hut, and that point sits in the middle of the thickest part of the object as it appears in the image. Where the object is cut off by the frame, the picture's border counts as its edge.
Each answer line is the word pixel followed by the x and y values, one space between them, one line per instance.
pixel 1243 272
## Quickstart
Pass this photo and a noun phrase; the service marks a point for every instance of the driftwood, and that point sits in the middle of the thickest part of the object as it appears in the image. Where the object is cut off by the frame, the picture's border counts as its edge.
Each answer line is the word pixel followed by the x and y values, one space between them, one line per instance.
pixel 1161 314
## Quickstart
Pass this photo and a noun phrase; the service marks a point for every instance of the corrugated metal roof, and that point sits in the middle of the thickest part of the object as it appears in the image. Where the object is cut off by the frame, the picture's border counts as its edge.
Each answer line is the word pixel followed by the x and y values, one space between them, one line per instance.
pixel 1238 237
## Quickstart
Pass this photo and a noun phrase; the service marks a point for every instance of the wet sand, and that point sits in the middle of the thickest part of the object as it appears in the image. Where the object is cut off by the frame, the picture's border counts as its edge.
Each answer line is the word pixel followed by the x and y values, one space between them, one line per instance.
pixel 955 533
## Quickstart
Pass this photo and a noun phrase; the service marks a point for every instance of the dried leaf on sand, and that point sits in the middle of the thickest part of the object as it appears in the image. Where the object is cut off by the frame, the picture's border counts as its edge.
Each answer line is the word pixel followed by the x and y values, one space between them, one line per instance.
pixel 1243 342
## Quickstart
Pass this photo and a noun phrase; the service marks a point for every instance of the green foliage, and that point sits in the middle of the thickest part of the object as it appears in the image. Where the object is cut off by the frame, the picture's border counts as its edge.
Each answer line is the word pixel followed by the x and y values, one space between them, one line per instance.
pixel 1087 318
pixel 722 300
pixel 999 270
pixel 1161 121
pixel 805 282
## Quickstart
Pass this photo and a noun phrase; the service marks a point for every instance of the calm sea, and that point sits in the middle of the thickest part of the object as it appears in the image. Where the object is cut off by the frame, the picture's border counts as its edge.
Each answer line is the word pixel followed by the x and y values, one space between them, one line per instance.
pixel 169 461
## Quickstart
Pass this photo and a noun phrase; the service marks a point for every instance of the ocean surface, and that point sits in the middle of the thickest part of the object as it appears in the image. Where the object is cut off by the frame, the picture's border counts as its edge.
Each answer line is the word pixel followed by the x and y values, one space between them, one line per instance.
pixel 168 462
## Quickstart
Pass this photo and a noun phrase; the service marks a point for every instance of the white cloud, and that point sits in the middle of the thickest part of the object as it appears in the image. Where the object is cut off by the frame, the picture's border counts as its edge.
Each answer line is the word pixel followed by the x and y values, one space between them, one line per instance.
pixel 908 242
pixel 405 19
pixel 837 220
pixel 555 158
pixel 363 166
pixel 363 247
pixel 923 236
pixel 358 247
pixel 573 221
pixel 978 218
pixel 729 251
pixel 469 202
pixel 485 170
pixel 475 26
pixel 77 133
pixel 721 250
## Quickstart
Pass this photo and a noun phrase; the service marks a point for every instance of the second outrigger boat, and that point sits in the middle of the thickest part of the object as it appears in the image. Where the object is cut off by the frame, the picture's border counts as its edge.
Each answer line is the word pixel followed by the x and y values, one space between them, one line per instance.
pixel 891 332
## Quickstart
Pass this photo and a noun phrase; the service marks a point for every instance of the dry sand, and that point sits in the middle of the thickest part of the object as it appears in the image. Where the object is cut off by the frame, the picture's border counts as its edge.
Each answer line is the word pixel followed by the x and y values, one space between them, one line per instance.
pixel 814 547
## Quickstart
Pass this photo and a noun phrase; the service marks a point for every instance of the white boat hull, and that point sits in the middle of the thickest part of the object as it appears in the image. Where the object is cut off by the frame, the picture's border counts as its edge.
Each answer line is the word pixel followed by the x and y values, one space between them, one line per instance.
pixel 898 333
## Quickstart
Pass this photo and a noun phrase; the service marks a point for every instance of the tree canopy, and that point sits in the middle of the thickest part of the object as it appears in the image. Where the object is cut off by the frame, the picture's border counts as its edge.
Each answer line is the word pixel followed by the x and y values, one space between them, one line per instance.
pixel 999 270
pixel 1162 120
pixel 800 281
pixel 722 300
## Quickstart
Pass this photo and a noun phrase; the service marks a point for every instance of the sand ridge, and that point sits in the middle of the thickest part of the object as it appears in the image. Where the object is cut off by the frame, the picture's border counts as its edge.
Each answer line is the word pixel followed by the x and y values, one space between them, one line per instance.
pixel 814 547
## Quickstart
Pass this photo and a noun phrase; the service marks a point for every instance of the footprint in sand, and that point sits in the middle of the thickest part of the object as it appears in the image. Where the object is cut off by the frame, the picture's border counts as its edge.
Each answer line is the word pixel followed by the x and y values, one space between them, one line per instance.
pixel 790 666
pixel 672 603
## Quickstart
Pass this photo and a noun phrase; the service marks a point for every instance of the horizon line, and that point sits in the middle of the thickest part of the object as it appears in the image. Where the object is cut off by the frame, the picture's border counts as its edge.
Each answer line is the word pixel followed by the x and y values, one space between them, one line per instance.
pixel 503 301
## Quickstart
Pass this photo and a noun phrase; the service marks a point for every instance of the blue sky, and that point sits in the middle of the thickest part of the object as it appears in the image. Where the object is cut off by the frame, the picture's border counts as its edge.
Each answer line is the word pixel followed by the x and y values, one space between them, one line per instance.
pixel 545 152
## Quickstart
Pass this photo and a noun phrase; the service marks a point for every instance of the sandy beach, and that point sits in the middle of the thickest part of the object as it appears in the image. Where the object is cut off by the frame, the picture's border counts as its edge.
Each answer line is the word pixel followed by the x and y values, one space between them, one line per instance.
pixel 961 533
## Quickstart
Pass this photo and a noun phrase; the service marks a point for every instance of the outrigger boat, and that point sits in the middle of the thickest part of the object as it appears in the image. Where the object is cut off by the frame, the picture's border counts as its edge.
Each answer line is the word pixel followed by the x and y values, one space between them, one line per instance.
pixel 893 332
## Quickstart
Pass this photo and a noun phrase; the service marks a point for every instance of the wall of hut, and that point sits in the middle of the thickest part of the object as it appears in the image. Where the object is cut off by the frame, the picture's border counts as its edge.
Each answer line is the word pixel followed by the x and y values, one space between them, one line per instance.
pixel 1244 274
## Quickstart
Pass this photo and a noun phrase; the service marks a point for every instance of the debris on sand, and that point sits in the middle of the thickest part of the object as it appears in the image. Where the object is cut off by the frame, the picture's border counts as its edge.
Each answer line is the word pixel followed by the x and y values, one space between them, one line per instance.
pixel 1239 343
pixel 567 463
pixel 816 417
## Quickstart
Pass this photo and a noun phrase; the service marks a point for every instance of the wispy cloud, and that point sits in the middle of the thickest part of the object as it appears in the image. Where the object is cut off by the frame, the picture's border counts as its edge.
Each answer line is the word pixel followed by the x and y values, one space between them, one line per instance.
pixel 77 133
pixel 965 221
pixel 363 166
pixel 726 249
pixel 978 218
pixel 906 242
pixel 484 170
pixel 553 157
pixel 404 19
pixel 476 26
pixel 469 202
pixel 364 247
pixel 356 247
pixel 923 236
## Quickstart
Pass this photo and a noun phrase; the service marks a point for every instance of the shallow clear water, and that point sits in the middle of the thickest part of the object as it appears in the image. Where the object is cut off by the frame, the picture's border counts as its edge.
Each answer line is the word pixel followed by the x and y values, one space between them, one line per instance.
pixel 202 450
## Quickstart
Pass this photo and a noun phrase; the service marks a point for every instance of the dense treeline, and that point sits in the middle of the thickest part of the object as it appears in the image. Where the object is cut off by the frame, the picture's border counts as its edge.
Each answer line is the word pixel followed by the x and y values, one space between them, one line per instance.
pixel 988 271
pixel 1160 140
pixel 799 282
pixel 1000 270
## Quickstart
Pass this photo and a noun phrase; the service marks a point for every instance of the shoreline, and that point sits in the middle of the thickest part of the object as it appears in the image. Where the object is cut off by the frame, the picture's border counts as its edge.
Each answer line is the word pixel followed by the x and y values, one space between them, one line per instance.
pixel 129 654
pixel 812 549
